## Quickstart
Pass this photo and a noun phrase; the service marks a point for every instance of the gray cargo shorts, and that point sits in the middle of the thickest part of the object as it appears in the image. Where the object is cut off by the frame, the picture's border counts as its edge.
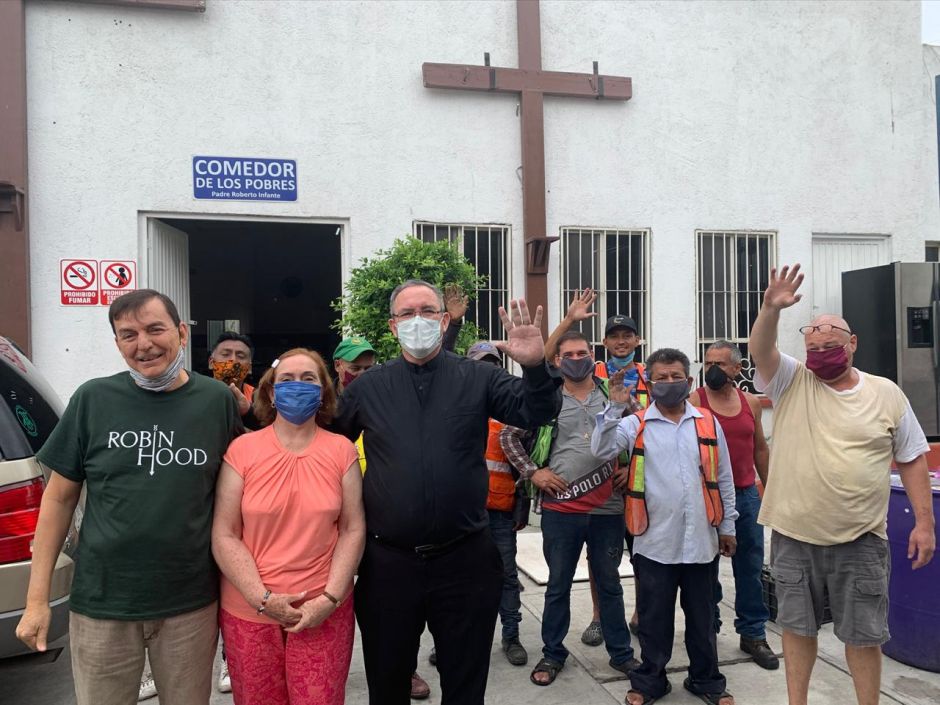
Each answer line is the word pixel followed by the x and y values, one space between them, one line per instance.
pixel 855 575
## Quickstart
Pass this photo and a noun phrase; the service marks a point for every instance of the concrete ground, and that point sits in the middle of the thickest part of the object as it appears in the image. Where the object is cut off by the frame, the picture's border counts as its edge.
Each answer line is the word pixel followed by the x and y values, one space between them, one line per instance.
pixel 37 680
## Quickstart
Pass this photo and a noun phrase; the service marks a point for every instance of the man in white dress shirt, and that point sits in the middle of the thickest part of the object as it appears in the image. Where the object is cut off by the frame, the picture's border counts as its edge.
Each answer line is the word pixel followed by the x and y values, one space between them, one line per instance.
pixel 681 510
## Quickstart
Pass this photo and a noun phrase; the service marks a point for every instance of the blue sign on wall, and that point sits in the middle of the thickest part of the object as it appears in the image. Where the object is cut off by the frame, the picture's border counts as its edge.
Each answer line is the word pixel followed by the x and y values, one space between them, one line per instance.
pixel 244 179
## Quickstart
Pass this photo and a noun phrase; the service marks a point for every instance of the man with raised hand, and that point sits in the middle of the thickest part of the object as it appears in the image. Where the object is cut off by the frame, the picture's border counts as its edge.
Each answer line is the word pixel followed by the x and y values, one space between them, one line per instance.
pixel 429 557
pixel 836 431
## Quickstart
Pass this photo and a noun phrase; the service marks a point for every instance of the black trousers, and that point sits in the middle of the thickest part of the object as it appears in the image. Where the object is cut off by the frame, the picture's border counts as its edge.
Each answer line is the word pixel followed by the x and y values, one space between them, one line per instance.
pixel 457 594
pixel 657 585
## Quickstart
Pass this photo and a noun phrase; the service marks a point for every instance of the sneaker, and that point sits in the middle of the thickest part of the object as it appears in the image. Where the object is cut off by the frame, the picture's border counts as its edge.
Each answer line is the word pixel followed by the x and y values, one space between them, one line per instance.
pixel 147 687
pixel 515 652
pixel 762 653
pixel 593 636
pixel 225 681
pixel 626 666
pixel 432 657
pixel 420 690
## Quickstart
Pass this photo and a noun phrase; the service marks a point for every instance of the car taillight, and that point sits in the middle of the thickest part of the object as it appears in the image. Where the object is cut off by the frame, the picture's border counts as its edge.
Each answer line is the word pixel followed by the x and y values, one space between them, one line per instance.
pixel 19 512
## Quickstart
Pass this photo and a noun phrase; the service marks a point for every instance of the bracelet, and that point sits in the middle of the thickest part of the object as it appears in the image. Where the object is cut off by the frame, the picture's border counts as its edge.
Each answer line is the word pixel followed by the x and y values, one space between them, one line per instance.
pixel 332 599
pixel 264 601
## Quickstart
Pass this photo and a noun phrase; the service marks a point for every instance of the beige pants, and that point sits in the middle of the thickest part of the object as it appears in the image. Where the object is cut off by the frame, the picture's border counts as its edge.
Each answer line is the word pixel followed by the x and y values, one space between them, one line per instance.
pixel 108 657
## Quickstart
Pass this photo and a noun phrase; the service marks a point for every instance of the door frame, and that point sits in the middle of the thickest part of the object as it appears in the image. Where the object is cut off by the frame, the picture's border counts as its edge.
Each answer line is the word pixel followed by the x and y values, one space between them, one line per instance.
pixel 144 216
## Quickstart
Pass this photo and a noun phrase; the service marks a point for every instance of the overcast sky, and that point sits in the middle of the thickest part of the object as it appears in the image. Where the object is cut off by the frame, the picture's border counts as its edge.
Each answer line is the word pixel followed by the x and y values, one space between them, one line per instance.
pixel 930 22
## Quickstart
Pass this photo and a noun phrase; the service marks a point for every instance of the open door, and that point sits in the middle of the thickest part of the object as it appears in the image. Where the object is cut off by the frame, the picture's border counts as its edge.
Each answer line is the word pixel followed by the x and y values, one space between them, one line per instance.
pixel 168 268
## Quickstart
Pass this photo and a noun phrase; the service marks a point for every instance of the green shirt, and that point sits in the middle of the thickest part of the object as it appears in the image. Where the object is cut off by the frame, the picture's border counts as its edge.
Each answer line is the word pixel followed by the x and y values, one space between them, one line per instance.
pixel 149 461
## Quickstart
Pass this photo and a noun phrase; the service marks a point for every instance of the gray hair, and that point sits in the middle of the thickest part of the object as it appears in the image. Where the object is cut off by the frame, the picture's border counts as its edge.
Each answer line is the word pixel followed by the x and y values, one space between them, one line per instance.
pixel 415 282
pixel 736 356
pixel 667 356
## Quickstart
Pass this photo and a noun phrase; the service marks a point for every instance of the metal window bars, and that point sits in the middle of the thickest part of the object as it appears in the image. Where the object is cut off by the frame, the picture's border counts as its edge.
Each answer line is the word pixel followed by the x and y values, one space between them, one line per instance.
pixel 613 262
pixel 733 272
pixel 486 246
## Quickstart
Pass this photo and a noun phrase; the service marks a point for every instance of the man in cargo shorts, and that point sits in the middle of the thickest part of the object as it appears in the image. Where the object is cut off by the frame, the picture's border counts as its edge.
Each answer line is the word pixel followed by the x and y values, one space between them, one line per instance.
pixel 836 430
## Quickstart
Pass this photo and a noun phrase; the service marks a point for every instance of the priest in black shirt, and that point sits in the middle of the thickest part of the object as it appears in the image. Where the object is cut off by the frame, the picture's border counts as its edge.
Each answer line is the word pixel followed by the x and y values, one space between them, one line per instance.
pixel 429 557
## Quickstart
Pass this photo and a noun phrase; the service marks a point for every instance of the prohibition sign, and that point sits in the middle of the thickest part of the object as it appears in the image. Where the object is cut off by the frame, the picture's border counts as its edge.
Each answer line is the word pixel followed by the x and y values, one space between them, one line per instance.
pixel 79 283
pixel 117 277
pixel 79 275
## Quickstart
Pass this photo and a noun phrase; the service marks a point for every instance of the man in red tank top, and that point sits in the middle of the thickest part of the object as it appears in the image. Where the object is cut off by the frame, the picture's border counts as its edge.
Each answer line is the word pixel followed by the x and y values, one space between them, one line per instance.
pixel 739 414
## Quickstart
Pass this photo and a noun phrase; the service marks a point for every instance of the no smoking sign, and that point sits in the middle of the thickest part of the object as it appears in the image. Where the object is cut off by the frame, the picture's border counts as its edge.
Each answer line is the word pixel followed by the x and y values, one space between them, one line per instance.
pixel 79 282
pixel 117 277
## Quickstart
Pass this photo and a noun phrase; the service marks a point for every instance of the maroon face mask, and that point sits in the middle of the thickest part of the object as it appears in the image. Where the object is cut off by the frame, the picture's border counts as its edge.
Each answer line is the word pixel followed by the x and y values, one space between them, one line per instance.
pixel 827 364
pixel 349 378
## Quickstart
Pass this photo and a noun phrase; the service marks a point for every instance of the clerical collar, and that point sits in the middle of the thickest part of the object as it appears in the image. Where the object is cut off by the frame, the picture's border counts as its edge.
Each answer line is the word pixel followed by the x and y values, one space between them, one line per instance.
pixel 430 366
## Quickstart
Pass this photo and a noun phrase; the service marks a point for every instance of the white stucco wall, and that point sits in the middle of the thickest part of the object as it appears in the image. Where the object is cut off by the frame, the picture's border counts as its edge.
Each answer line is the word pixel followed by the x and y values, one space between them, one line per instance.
pixel 797 117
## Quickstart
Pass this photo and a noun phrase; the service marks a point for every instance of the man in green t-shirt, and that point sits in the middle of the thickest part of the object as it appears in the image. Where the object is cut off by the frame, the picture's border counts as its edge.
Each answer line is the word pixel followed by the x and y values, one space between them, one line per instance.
pixel 146 445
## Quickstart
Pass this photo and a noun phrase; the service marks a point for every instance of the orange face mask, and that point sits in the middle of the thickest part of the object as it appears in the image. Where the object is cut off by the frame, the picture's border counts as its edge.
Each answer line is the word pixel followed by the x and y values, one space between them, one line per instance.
pixel 229 371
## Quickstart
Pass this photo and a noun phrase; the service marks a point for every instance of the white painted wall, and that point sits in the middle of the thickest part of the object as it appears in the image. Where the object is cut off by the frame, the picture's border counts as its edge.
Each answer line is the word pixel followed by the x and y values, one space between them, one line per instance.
pixel 791 116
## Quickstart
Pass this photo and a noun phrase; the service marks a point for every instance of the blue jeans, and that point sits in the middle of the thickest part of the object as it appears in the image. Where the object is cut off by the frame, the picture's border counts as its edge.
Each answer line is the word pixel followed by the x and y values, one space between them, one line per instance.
pixel 563 536
pixel 504 536
pixel 751 612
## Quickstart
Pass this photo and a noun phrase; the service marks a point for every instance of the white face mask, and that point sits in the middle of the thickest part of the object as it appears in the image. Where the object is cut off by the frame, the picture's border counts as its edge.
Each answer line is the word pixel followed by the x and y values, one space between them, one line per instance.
pixel 419 336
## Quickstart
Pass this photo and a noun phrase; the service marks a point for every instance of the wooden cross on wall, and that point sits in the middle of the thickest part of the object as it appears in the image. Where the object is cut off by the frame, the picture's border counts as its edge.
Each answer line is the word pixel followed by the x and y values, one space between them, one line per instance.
pixel 531 83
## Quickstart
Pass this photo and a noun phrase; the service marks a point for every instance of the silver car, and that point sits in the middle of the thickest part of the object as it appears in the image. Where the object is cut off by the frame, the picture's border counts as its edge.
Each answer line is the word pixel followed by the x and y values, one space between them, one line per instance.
pixel 29 412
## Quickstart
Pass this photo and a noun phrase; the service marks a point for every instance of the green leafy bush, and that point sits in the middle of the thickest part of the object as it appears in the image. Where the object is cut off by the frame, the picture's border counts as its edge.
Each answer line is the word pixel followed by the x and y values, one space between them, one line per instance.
pixel 364 308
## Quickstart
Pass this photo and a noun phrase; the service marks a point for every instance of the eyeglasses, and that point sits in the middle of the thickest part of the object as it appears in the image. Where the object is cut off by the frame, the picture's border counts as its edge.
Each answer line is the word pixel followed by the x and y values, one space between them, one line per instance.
pixel 408 313
pixel 822 328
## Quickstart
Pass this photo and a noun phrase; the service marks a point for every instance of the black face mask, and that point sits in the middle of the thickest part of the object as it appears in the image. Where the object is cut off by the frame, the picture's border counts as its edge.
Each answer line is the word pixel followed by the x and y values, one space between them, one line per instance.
pixel 716 378
pixel 670 394
pixel 576 369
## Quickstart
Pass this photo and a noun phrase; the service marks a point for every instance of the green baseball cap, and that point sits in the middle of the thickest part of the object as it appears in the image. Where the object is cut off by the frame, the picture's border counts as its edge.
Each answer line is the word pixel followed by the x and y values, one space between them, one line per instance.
pixel 351 348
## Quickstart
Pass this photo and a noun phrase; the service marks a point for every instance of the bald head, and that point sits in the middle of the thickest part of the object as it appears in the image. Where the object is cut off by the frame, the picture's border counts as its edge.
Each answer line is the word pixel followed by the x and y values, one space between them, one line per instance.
pixel 832 319
pixel 836 332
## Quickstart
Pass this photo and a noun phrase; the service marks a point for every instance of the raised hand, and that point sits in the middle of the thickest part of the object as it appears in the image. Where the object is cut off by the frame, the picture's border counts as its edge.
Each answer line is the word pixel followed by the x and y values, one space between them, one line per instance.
pixel 455 301
pixel 619 394
pixel 781 292
pixel 524 343
pixel 578 310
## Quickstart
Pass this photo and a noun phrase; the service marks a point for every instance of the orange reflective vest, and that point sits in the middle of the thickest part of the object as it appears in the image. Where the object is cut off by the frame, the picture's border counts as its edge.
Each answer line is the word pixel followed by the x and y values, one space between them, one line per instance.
pixel 637 517
pixel 502 494
pixel 642 391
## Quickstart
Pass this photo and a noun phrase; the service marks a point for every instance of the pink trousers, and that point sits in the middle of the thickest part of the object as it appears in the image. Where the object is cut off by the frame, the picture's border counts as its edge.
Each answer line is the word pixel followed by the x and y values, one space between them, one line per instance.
pixel 269 666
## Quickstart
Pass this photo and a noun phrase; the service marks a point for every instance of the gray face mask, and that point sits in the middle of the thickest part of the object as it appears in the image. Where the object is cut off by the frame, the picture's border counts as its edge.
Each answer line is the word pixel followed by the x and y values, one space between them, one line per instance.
pixel 669 394
pixel 419 336
pixel 164 381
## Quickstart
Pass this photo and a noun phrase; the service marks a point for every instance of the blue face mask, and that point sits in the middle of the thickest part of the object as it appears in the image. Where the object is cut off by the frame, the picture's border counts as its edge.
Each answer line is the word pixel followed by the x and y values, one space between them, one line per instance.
pixel 296 402
pixel 618 363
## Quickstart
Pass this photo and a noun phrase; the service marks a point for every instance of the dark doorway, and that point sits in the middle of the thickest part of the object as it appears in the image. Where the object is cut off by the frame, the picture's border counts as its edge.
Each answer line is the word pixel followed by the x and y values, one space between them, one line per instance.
pixel 273 281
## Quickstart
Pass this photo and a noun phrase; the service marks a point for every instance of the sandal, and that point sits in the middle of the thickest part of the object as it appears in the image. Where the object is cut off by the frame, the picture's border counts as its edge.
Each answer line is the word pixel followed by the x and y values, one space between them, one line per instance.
pixel 546 666
pixel 710 698
pixel 648 699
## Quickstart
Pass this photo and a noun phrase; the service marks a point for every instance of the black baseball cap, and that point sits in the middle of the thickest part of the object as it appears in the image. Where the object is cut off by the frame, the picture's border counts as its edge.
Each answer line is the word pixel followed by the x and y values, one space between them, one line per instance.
pixel 615 322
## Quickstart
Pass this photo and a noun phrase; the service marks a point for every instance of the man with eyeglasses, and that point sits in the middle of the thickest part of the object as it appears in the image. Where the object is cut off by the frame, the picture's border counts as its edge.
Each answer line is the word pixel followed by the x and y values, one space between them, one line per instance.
pixel 836 431
pixel 429 557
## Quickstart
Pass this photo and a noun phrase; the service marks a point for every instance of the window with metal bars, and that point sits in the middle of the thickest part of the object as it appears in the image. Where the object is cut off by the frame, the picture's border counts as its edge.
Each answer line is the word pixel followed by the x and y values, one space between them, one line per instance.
pixel 615 263
pixel 733 272
pixel 486 247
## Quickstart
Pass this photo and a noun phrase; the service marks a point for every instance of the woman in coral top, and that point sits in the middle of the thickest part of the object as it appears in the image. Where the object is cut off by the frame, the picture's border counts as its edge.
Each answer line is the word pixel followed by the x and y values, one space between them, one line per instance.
pixel 289 531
